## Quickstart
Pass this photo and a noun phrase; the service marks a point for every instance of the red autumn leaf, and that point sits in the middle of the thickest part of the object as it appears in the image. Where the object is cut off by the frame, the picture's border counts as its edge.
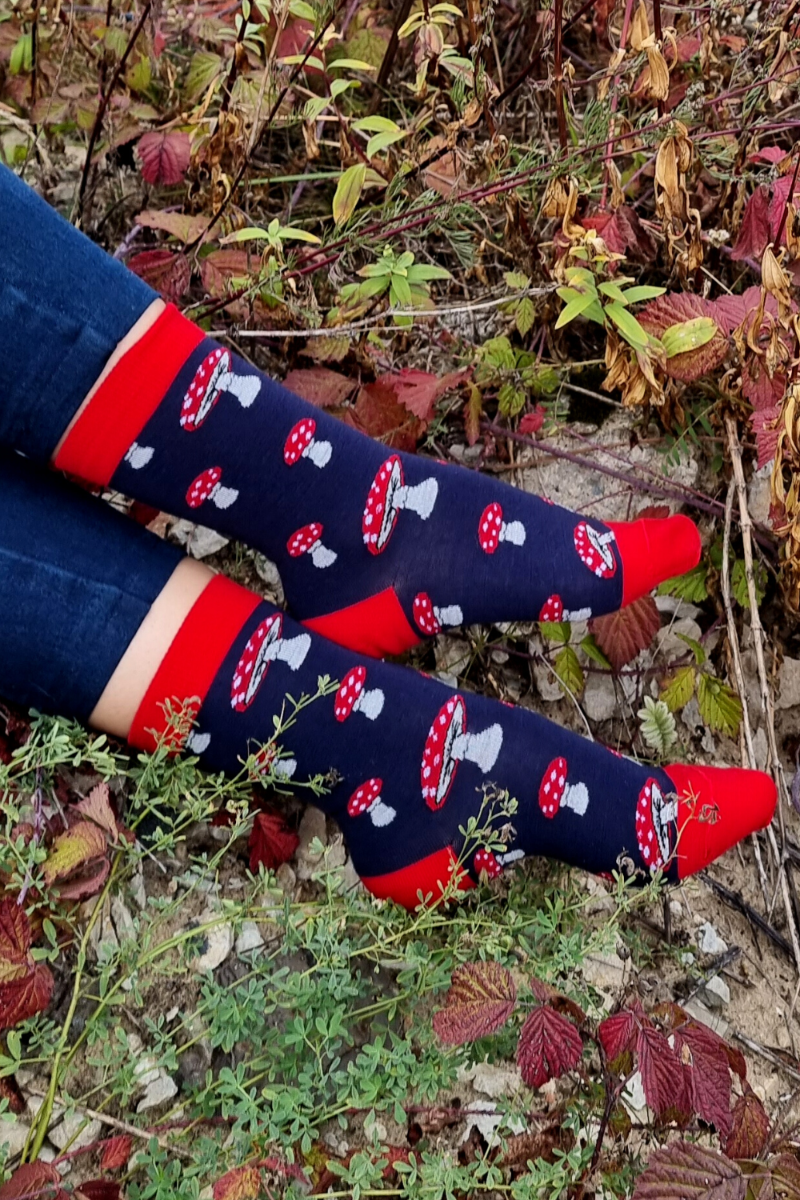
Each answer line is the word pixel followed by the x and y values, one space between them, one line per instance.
pixel 749 1126
pixel 377 413
pixel 618 1034
pixel 623 233
pixel 549 1046
pixel 785 1171
pixel 623 634
pixel 271 841
pixel 320 386
pixel 165 271
pixel 757 386
pixel 754 232
pixel 98 1189
pixel 481 998
pixel 771 155
pixel 9 1091
pixel 419 390
pixel 180 225
pixel 97 808
pixel 781 190
pixel 730 311
pixel 295 38
pixel 15 942
pixel 226 269
pixel 655 512
pixel 684 1171
pixel 663 1077
pixel 115 1152
pixel 72 851
pixel 708 1073
pixel 242 1183
pixel 765 427
pixel 164 156
pixel 25 997
pixel 674 309
pixel 532 422
pixel 32 1181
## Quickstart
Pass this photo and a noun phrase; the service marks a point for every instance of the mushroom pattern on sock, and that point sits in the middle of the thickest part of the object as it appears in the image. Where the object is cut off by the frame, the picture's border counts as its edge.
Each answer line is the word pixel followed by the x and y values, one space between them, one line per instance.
pixel 301 443
pixel 387 496
pixel 596 550
pixel 448 744
pixel 352 696
pixel 555 793
pixel 367 799
pixel 213 377
pixel 492 529
pixel 656 816
pixel 265 646
pixel 208 486
pixel 431 619
pixel 308 540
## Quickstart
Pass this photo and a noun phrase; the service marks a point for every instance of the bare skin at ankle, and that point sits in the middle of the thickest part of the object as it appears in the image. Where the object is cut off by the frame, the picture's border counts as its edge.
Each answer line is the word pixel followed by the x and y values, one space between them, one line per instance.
pixel 125 690
pixel 146 320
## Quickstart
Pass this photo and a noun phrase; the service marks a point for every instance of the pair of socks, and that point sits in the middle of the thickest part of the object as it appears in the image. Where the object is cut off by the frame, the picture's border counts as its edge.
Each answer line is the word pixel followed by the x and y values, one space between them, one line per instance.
pixel 378 550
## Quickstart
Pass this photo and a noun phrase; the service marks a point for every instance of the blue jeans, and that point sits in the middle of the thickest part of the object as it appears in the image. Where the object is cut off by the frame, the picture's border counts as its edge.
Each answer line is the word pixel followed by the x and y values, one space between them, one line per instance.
pixel 64 306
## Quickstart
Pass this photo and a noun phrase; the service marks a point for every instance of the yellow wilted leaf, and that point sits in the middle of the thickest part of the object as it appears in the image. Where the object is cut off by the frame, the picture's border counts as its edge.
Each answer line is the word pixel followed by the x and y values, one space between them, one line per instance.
pixel 659 74
pixel 688 335
pixel 72 850
pixel 348 192
pixel 640 28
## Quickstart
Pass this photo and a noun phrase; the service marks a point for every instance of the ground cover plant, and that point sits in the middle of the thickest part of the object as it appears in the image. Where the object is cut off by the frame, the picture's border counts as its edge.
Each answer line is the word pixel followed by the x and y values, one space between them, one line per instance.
pixel 554 241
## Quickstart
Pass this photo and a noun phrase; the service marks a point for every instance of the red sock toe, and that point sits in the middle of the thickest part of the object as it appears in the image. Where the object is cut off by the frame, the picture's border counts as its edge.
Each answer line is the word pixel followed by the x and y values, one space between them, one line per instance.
pixel 717 807
pixel 655 549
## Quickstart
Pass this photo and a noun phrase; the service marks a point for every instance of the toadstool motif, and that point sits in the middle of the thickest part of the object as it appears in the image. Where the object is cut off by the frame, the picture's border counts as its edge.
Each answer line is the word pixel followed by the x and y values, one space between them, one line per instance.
pixel 595 550
pixel 655 815
pixel 308 541
pixel 430 618
pixel 492 529
pixel 264 762
pixel 367 799
pixel 447 744
pixel 386 497
pixel 213 377
pixel 556 793
pixel 352 697
pixel 207 486
pixel 485 862
pixel 301 443
pixel 553 610
pixel 138 456
pixel 197 743
pixel 265 646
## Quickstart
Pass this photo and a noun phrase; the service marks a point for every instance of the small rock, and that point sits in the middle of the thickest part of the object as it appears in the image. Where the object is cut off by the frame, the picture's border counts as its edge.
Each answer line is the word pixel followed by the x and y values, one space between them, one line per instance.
pixel 286 879
pixel 336 853
pixel 452 654
pixel 716 993
pixel 123 921
pixel 312 825
pixel 446 677
pixel 687 958
pixel 599 698
pixel 350 880
pixel 75 1131
pixel 604 971
pixel 249 938
pixel 137 888
pixel 759 493
pixel 709 941
pixel 374 1129
pixel 493 1079
pixel 13 1135
pixel 269 574
pixel 545 677
pixel 601 901
pixel 675 910
pixel 219 943
pixel 633 1096
pixel 695 1008
pixel 788 684
pixel 198 540
pixel 159 1091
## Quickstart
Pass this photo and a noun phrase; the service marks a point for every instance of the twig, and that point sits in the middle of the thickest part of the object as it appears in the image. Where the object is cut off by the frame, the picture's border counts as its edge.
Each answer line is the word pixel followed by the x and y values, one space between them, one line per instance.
pixel 387 62
pixel 748 750
pixel 766 697
pixel 114 1123
pixel 101 110
pixel 558 17
pixel 769 1055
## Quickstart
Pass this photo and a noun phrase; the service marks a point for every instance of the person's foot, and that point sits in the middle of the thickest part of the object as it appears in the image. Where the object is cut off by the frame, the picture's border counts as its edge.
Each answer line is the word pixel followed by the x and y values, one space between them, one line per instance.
pixel 409 762
pixel 376 549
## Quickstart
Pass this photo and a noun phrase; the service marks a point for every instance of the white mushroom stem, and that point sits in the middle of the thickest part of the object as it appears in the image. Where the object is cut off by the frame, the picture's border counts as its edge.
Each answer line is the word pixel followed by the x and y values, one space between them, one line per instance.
pixel 198 742
pixel 576 614
pixel 479 748
pixel 244 387
pixel 419 499
pixel 321 556
pixel 513 532
pixel 370 703
pixel 510 856
pixel 138 456
pixel 668 812
pixel 381 814
pixel 291 651
pixel 284 768
pixel 603 539
pixel 222 497
pixel 576 797
pixel 451 614
pixel 318 452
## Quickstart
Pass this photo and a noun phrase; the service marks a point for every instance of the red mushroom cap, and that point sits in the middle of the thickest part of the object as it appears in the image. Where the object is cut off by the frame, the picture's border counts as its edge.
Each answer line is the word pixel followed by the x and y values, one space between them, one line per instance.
pixel 490 526
pixel 380 512
pixel 350 689
pixel 552 609
pixel 202 487
pixel 551 789
pixel 203 392
pixel 424 615
pixel 597 558
pixel 252 667
pixel 364 797
pixel 438 764
pixel 298 440
pixel 484 860
pixel 651 834
pixel 303 539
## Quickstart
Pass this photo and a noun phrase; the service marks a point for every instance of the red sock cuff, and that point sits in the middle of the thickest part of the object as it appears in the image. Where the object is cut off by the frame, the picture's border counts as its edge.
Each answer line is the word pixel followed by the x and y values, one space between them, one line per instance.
pixel 194 657
pixel 654 549
pixel 717 807
pixel 127 398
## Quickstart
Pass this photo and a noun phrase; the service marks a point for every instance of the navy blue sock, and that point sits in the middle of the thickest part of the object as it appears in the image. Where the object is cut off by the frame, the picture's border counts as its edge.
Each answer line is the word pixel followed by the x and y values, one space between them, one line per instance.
pixel 375 549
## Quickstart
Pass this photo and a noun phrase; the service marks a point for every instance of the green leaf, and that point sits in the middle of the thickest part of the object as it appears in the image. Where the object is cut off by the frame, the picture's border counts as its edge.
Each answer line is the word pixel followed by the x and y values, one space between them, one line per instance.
pixel 291 233
pixel 400 292
pixel 720 707
pixel 628 326
pixel 348 192
pixel 510 400
pixel 516 279
pixel 523 317
pixel 21 55
pixel 688 335
pixel 294 60
pixel 299 8
pixel 352 64
pixel 739 582
pixel 678 688
pixel 574 309
pixel 695 647
pixel 422 272
pixel 691 586
pixel 555 631
pixel 375 125
pixel 635 294
pixel 591 649
pixel 657 726
pixel 569 671
pixel 380 141
pixel 315 107
pixel 338 86
pixel 595 313
pixel 614 292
